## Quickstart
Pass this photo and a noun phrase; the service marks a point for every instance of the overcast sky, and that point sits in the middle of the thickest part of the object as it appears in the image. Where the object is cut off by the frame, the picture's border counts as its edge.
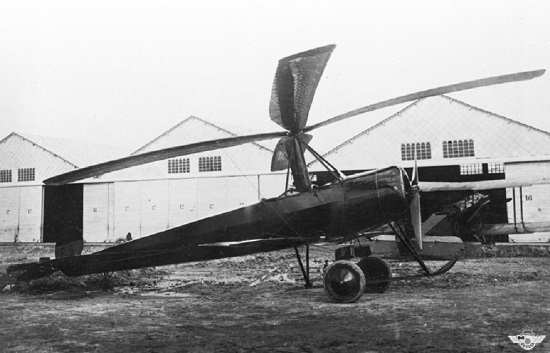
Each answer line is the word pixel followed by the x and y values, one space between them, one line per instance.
pixel 123 72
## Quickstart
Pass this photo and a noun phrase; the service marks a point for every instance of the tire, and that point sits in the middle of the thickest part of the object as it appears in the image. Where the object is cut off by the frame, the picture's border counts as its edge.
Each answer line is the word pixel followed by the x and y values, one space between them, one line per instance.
pixel 344 282
pixel 374 268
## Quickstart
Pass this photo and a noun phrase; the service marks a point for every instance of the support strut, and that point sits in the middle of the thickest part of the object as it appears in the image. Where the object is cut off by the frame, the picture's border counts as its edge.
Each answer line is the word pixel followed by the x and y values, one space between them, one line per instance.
pixel 403 237
pixel 305 271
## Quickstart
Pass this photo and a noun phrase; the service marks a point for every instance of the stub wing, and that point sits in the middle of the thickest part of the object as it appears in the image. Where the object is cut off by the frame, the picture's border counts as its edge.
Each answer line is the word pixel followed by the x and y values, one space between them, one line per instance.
pixel 289 242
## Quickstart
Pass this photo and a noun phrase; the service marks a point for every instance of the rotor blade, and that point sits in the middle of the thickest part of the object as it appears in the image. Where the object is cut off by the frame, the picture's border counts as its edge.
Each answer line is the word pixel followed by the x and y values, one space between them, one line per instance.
pixel 520 76
pixel 294 86
pixel 280 160
pixel 153 156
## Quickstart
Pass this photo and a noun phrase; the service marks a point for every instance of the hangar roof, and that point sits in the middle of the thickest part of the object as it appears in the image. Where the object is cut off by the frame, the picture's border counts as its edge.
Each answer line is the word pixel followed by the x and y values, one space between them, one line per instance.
pixel 77 153
pixel 438 121
pixel 246 158
pixel 39 157
pixel 185 133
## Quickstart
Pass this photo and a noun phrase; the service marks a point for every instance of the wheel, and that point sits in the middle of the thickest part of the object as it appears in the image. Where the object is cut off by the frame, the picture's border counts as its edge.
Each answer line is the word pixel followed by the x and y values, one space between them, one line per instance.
pixel 374 268
pixel 344 282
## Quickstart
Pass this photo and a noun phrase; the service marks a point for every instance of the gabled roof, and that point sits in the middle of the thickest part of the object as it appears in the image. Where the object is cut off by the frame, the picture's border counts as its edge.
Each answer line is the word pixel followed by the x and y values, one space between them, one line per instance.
pixel 435 120
pixel 369 130
pixel 194 136
pixel 79 154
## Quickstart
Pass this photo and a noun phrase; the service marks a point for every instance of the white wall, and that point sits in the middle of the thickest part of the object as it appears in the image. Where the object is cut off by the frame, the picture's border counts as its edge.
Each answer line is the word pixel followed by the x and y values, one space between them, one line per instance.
pixel 21 214
pixel 111 210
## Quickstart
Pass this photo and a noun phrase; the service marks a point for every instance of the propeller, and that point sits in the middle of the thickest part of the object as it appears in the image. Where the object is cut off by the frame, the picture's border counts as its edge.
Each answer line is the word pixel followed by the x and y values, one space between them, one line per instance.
pixel 416 217
pixel 294 87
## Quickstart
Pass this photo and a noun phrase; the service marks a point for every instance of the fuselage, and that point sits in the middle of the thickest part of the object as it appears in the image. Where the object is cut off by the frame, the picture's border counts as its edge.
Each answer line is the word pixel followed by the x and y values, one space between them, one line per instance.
pixel 330 212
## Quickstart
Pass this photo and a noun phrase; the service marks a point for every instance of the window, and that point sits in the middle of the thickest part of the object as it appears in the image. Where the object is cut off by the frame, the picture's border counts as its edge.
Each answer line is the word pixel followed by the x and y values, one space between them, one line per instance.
pixel 180 165
pixel 5 176
pixel 210 164
pixel 25 174
pixel 471 169
pixel 496 168
pixel 458 149
pixel 423 151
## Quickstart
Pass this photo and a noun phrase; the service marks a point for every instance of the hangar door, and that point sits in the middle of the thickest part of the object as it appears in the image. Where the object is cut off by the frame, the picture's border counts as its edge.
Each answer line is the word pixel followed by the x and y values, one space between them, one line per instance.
pixel 533 201
pixel 183 206
pixel 529 204
pixel 127 209
pixel 154 206
pixel 62 210
pixel 98 213
pixel 21 214
pixel 142 208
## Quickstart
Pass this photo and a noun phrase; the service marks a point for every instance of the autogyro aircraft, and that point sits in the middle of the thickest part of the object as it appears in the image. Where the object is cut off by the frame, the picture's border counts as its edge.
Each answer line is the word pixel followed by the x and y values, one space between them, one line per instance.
pixel 337 211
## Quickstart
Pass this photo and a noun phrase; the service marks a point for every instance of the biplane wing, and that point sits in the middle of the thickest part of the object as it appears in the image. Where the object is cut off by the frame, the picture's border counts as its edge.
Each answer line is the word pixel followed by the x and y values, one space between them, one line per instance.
pixel 480 185
pixel 514 228
pixel 518 226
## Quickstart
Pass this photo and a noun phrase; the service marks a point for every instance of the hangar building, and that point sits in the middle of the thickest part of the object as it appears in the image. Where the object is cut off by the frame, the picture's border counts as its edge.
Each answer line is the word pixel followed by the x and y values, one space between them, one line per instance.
pixel 30 211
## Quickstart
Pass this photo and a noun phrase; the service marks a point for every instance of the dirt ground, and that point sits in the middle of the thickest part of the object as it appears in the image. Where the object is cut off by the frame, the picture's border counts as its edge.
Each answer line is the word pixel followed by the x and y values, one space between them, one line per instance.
pixel 259 304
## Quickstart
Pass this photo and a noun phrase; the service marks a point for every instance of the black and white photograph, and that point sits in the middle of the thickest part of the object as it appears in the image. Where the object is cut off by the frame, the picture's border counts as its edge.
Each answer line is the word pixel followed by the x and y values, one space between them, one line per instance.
pixel 274 176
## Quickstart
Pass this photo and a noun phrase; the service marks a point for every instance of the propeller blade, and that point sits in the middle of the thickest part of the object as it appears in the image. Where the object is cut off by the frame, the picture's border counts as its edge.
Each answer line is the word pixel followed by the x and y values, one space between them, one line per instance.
pixel 280 160
pixel 153 156
pixel 415 169
pixel 294 86
pixel 416 216
pixel 416 219
pixel 520 76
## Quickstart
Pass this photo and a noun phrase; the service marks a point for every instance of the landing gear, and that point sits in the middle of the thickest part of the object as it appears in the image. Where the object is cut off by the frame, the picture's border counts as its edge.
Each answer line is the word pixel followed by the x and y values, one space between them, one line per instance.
pixel 377 274
pixel 344 282
pixel 305 271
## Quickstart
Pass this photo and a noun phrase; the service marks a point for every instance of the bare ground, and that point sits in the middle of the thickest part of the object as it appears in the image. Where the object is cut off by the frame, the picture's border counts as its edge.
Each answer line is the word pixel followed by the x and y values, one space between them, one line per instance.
pixel 258 304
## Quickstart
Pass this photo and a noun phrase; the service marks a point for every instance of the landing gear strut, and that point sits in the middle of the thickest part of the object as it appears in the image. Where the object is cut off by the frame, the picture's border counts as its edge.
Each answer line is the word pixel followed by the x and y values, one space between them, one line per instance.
pixel 305 271
pixel 345 281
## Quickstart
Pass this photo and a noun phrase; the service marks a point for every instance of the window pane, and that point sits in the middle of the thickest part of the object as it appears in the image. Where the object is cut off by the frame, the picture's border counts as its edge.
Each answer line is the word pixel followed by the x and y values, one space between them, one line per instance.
pixel 210 164
pixel 180 165
pixel 422 150
pixel 458 149
pixel 25 174
pixel 5 176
